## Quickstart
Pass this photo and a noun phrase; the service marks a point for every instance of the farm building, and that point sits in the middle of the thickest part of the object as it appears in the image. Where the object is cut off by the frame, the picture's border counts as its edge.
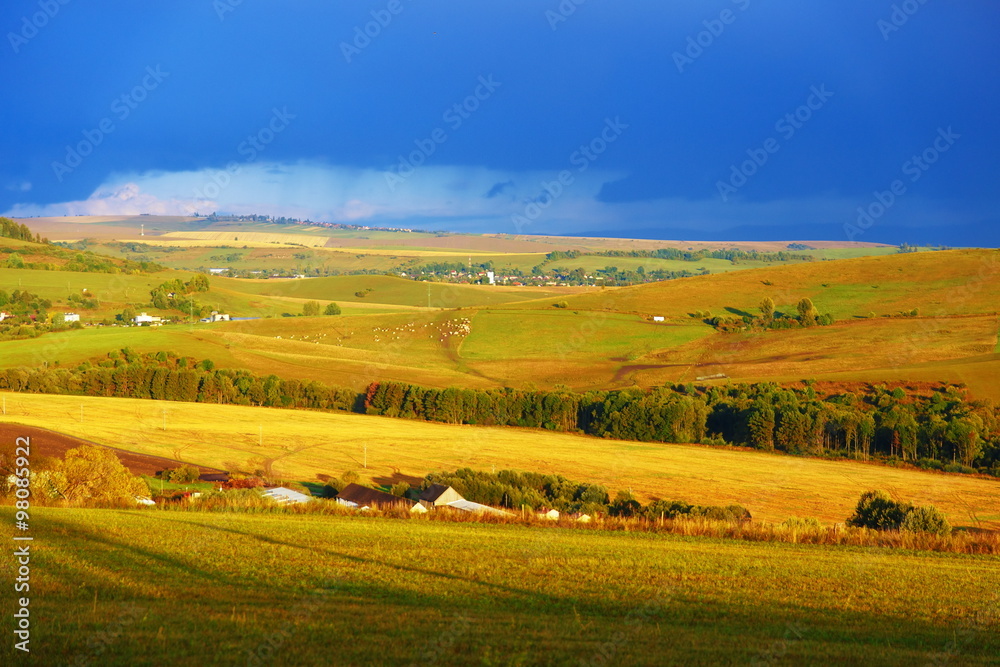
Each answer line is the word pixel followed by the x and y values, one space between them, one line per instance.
pixel 285 496
pixel 438 494
pixel 4 315
pixel 361 497
pixel 468 506
pixel 71 317
pixel 657 318
pixel 142 319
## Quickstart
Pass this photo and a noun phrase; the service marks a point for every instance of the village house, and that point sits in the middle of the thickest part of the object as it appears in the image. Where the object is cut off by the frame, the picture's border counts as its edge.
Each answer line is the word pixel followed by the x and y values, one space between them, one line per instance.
pixel 70 317
pixel 438 494
pixel 363 498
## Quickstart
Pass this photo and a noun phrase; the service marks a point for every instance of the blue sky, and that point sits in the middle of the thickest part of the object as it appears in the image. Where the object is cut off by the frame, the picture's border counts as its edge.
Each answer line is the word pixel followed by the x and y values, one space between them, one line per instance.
pixel 721 119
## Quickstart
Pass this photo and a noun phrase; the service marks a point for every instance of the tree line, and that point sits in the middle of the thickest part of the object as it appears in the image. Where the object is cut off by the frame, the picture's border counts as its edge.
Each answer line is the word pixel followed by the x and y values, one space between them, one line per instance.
pixel 942 430
pixel 734 255
pixel 172 377
pixel 18 231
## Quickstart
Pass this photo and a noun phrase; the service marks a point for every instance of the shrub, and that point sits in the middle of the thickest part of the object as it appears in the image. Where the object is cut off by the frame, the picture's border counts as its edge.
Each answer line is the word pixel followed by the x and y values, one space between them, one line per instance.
pixel 243 483
pixel 183 474
pixel 930 464
pixel 400 489
pixel 878 510
pixel 332 309
pixel 958 467
pixel 796 523
pixel 926 520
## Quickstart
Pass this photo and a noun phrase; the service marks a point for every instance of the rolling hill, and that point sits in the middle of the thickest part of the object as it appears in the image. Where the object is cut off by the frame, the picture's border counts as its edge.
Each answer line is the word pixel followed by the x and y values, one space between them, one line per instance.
pixel 300 445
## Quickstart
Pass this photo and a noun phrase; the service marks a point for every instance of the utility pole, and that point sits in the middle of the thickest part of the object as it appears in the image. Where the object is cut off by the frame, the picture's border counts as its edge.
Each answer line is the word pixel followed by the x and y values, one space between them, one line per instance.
pixel 5 405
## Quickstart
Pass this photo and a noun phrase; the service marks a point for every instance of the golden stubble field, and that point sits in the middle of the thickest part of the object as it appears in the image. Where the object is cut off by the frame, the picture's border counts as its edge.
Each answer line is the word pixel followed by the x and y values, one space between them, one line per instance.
pixel 300 445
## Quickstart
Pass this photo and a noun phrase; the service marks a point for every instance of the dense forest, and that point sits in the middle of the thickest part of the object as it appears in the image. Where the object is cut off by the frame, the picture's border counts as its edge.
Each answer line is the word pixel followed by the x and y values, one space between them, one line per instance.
pixel 939 429
pixel 168 376
pixel 942 429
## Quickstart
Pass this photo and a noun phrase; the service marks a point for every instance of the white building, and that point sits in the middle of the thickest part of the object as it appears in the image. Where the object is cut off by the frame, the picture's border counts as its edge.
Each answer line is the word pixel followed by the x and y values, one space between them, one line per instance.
pixel 70 317
pixel 148 320
pixel 285 496
pixel 469 506
pixel 657 318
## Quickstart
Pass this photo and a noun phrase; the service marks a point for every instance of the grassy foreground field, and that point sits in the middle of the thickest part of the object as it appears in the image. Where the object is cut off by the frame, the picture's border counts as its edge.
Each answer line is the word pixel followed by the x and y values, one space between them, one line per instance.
pixel 152 588
pixel 301 445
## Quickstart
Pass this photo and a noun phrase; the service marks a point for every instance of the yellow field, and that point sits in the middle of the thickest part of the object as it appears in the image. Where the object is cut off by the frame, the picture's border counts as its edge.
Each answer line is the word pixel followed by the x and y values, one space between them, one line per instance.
pixel 301 445
pixel 248 238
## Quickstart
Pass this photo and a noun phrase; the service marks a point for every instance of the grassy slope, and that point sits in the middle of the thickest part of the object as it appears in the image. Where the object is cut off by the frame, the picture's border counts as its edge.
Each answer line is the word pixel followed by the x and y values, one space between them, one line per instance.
pixel 586 345
pixel 189 588
pixel 301 445
pixel 953 282
pixel 390 290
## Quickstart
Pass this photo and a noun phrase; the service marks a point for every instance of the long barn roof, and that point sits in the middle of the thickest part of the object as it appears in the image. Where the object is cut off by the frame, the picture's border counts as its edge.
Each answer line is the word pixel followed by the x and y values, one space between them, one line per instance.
pixel 364 496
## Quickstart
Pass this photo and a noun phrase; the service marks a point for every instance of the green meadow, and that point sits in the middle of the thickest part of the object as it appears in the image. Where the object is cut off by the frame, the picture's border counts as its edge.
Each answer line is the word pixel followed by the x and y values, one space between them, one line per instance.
pixel 155 587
